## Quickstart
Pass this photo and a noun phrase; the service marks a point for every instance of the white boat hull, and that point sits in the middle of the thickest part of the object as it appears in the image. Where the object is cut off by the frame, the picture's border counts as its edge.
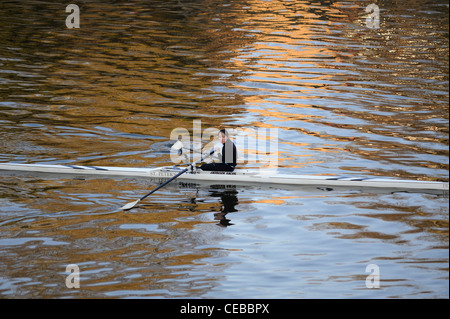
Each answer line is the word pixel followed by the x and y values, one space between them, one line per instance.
pixel 238 176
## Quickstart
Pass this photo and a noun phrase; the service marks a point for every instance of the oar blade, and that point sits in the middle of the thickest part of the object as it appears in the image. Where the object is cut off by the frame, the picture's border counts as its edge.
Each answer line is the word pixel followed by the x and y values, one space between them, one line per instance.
pixel 130 205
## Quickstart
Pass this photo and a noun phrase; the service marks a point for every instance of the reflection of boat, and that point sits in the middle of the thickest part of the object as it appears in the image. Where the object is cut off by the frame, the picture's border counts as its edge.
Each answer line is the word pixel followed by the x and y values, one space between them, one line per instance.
pixel 239 176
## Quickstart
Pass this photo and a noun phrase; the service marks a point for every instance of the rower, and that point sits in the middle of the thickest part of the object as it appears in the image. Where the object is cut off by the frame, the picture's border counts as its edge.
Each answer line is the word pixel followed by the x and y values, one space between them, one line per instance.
pixel 228 154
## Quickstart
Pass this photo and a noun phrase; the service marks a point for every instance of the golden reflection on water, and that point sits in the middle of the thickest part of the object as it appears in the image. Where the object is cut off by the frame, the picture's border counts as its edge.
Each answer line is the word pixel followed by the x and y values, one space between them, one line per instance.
pixel 281 66
pixel 313 69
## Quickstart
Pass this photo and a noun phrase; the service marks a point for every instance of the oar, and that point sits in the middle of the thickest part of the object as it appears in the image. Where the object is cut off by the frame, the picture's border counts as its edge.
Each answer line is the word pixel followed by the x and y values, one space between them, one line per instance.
pixel 132 204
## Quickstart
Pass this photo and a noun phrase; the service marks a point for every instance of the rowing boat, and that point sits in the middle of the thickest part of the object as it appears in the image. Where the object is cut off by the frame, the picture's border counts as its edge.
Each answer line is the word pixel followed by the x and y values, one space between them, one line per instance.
pixel 238 176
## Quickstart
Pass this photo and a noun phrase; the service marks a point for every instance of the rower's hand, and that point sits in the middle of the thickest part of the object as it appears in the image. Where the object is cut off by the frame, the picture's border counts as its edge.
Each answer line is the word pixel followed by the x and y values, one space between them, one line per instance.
pixel 218 148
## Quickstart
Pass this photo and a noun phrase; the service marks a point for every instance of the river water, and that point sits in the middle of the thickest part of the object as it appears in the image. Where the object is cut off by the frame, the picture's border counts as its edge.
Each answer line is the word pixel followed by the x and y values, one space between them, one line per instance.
pixel 344 98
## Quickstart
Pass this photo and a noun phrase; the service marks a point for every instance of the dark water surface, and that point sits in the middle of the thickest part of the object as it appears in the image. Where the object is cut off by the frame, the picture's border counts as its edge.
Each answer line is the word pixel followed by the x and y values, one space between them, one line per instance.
pixel 345 99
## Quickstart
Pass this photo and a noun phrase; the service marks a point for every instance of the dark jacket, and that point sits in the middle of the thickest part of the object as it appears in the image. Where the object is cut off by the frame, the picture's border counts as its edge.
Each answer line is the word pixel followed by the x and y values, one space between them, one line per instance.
pixel 229 153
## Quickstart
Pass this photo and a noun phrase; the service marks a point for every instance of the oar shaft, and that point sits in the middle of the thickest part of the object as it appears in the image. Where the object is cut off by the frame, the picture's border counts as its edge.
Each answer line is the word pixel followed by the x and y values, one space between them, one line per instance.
pixel 133 204
pixel 164 184
pixel 171 179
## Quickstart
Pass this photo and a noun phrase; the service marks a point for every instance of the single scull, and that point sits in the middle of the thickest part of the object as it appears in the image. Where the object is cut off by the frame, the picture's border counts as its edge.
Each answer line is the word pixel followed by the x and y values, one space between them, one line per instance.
pixel 238 176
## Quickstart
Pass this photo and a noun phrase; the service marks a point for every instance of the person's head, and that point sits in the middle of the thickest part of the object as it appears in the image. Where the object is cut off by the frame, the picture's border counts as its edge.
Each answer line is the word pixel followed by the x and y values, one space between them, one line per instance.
pixel 223 136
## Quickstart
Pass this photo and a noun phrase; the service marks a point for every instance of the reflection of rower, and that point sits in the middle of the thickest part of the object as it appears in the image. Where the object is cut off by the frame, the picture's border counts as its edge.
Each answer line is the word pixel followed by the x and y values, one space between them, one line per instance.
pixel 228 152
pixel 229 201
